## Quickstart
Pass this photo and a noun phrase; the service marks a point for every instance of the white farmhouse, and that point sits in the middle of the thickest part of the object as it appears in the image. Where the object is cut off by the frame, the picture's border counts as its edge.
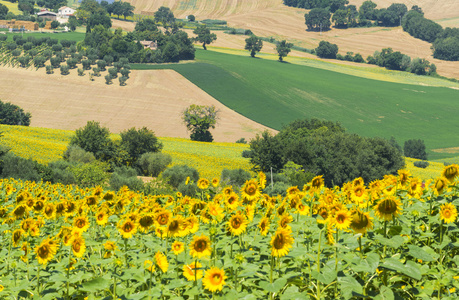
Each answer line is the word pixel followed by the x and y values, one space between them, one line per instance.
pixel 65 11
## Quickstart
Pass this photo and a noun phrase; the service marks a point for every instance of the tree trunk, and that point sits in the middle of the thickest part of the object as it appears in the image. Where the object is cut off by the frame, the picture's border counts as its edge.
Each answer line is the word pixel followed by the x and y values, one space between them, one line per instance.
pixel 204 46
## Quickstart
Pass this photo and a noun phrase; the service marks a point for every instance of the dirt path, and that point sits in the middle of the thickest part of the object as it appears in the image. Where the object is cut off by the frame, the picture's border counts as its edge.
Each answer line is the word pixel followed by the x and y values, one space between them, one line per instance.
pixel 153 98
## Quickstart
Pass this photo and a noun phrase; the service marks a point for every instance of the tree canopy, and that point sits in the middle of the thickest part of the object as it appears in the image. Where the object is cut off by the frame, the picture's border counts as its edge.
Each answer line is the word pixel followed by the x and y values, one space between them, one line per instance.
pixel 204 36
pixel 253 44
pixel 198 120
pixel 283 49
pixel 11 114
pixel 318 19
pixel 326 50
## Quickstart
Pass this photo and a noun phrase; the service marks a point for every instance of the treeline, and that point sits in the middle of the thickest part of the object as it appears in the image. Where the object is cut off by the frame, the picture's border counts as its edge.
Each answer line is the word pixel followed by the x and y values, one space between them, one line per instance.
pixel 445 41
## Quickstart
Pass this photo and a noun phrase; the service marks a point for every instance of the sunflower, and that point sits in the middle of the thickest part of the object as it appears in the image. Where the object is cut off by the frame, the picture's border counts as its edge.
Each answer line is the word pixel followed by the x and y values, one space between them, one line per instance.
pixel 281 242
pixel 192 271
pixel 176 227
pixel 161 261
pixel 361 222
pixel 20 211
pixel 262 180
pixel 237 224
pixel 215 182
pixel 216 211
pixel 127 228
pixel 415 188
pixel 450 172
pixel 448 213
pixel 145 222
pixel 163 217
pixel 214 279
pixel 203 183
pixel 25 248
pixel 317 183
pixel 177 247
pixel 359 195
pixel 342 219
pixel 38 206
pixel 302 209
pixel 264 226
pixel 46 251
pixel 200 246
pixel 250 190
pixel 102 217
pixel 78 246
pixel 17 236
pixel 388 208
pixel 192 224
pixel 149 266
pixel 403 177
pixel 232 201
pixel 49 210
pixel 81 223
pixel 284 220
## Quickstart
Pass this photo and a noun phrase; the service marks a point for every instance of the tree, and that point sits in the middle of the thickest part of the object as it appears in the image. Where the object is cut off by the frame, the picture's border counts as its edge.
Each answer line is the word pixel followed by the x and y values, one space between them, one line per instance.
pixel 283 49
pixel 164 16
pixel 146 24
pixel 73 23
pixel 340 17
pixel 367 11
pixel 198 120
pixel 127 9
pixel 138 142
pixel 204 36
pixel 253 44
pixel 191 18
pixel 11 114
pixel 54 24
pixel 326 50
pixel 3 11
pixel 415 149
pixel 318 19
pixel 95 139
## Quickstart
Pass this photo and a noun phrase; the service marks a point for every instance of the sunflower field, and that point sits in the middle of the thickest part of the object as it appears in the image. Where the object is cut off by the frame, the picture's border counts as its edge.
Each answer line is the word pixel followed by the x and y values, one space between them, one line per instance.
pixel 395 237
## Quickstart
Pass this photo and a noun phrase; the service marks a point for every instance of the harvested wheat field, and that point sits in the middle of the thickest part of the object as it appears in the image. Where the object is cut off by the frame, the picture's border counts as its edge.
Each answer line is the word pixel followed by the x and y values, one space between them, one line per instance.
pixel 154 99
pixel 272 18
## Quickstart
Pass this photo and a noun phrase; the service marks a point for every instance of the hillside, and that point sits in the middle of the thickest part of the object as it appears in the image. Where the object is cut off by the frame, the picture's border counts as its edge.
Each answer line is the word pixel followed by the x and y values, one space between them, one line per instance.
pixel 272 18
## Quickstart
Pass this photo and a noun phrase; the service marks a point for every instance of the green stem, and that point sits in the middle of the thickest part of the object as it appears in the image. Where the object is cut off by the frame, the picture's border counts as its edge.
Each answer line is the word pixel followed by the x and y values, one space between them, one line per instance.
pixel 38 281
pixel 68 275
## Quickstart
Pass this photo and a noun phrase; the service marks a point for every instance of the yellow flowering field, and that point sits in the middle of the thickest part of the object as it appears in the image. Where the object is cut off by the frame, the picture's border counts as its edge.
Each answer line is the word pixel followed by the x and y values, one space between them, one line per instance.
pixel 391 238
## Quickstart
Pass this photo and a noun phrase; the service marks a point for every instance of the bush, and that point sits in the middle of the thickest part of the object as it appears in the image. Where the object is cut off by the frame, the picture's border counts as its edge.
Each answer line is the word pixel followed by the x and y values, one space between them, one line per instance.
pixel 19 168
pixel 49 69
pixel 125 176
pixel 11 114
pixel 138 142
pixel 421 164
pixel 96 71
pixel 191 18
pixel 236 177
pixel 55 62
pixel 91 174
pixel 326 50
pixel 71 62
pixel 95 139
pixel 54 24
pixel 80 72
pixel 113 72
pixel 39 61
pixel 27 46
pixel 122 80
pixel 101 64
pixel 415 149
pixel 76 154
pixel 152 164
pixel 62 172
pixel 296 175
pixel 108 79
pixel 56 47
pixel 64 70
pixel 241 141
pixel 86 64
pixel 178 174
pixel 246 153
pixel 125 72
pixel 190 189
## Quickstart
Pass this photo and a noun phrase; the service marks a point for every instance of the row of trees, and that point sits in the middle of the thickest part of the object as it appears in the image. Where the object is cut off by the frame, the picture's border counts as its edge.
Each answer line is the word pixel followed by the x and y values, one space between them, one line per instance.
pixel 325 148
pixel 118 8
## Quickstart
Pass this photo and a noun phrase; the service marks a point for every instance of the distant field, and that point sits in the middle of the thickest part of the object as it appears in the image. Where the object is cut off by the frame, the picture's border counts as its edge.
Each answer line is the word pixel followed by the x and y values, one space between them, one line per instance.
pixel 12 7
pixel 71 36
pixel 275 94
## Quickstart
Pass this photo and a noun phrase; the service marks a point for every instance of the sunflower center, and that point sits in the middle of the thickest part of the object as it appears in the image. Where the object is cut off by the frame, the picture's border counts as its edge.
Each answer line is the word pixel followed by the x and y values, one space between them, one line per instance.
pixel 43 251
pixel 341 218
pixel 162 220
pixel 80 223
pixel 76 246
pixel 279 241
pixel 200 246
pixel 236 223
pixel 128 227
pixel 447 213
pixel 216 279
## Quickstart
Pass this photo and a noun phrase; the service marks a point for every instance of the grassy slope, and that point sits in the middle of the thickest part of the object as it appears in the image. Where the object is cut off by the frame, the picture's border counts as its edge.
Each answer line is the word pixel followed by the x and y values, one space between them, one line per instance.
pixel 274 94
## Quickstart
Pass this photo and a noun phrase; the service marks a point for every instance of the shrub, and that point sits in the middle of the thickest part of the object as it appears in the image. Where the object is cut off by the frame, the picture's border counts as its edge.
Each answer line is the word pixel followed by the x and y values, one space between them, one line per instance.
pixel 296 175
pixel 49 69
pixel 96 71
pixel 76 154
pixel 3 37
pixel 236 177
pixel 56 47
pixel 21 168
pixel 80 72
pixel 415 149
pixel 91 174
pixel 113 72
pixel 33 52
pixel 125 176
pixel 178 174
pixel 190 189
pixel 39 61
pixel 11 46
pixel 138 142
pixel 326 50
pixel 54 24
pixel 55 61
pixel 152 164
pixel 122 80
pixel 64 70
pixel 71 62
pixel 86 64
pixel 241 141
pixel 125 72
pixel 108 79
pixel 24 60
pixel 62 172
pixel 191 18
pixel 101 64
pixel 108 59
pixel 246 153
pixel 421 164
pixel 11 114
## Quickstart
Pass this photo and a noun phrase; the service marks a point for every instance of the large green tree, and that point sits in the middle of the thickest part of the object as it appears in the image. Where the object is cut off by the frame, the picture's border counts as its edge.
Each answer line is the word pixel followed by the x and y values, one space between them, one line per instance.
pixel 253 44
pixel 318 19
pixel 198 120
pixel 164 16
pixel 283 49
pixel 11 114
pixel 138 142
pixel 204 36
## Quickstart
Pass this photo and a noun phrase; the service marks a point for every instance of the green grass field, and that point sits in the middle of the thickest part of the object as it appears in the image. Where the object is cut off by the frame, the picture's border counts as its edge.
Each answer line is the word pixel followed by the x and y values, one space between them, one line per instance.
pixel 275 94
pixel 71 36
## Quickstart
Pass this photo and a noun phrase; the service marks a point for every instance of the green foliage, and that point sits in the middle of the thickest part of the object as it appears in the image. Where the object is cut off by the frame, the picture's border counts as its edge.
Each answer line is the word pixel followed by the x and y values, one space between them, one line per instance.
pixel 253 44
pixel 19 168
pixel 62 173
pixel 152 163
pixel 95 139
pixel 415 149
pixel 164 16
pixel 296 175
pixel 246 153
pixel 11 114
pixel 421 164
pixel 325 150
pixel 138 142
pixel 318 19
pixel 236 177
pixel 64 69
pixel 49 69
pixel 178 174
pixel 122 80
pixel 326 50
pixel 204 36
pixel 419 27
pixel 108 79
pixel 125 176
pixel 91 174
pixel 241 141
pixel 214 22
pixel 54 24
pixel 283 49
pixel 191 18
pixel 198 120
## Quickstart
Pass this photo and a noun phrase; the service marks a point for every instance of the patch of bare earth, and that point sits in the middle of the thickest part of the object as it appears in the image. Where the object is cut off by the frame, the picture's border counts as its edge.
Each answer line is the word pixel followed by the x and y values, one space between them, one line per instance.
pixel 447 150
pixel 272 18
pixel 153 98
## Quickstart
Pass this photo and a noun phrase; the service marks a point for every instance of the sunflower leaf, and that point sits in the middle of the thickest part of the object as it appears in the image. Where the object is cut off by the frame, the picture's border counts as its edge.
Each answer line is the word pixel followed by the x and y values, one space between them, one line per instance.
pixel 386 294
pixel 274 287
pixel 349 285
pixel 419 253
pixel 96 284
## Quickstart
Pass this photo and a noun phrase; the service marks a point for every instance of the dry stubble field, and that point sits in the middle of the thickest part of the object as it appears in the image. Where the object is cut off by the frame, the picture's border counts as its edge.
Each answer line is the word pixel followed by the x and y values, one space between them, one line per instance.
pixel 154 99
pixel 272 18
